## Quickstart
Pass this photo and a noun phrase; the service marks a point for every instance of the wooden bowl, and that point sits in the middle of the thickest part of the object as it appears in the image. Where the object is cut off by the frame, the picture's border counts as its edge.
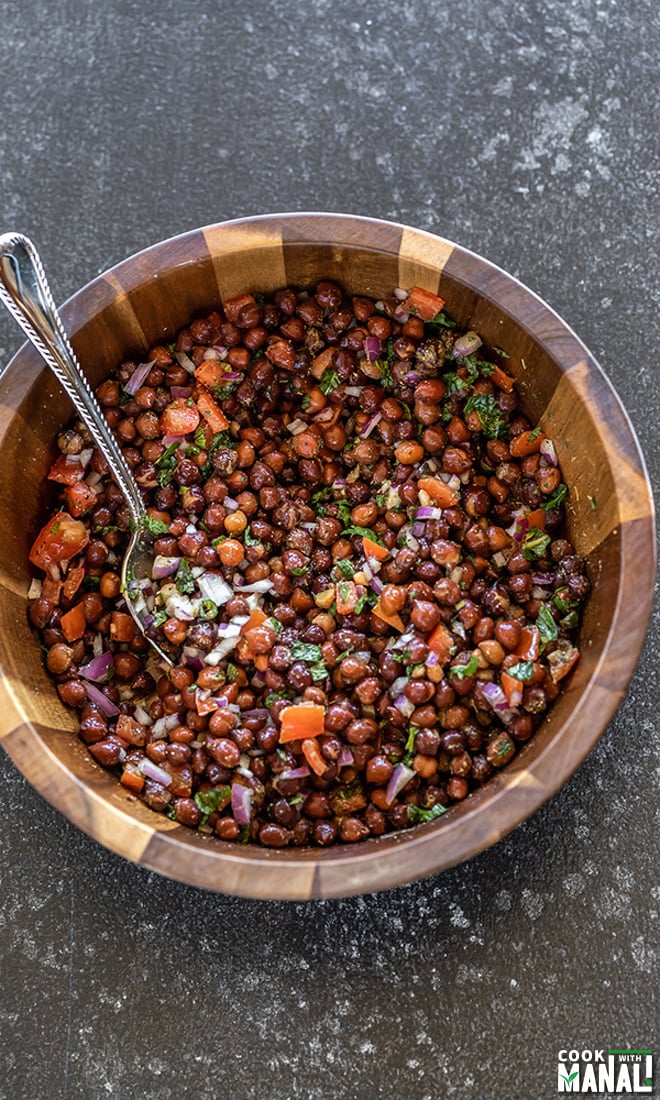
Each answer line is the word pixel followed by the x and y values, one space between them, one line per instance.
pixel 145 300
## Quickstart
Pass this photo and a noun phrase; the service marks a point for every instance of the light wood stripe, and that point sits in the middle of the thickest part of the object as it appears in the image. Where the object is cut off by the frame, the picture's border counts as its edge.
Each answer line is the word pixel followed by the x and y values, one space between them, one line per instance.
pixel 246 257
pixel 422 259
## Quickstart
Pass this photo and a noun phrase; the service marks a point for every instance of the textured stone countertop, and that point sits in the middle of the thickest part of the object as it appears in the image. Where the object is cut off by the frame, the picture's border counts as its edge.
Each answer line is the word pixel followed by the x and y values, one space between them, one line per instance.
pixel 527 132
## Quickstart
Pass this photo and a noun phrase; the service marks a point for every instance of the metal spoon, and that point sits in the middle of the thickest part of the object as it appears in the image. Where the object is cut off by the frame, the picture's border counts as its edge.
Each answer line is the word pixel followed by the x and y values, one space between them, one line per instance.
pixel 26 294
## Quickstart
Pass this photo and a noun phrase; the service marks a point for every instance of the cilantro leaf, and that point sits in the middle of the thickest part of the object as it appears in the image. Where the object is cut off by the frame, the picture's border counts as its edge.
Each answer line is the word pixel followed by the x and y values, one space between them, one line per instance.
pixel 210 801
pixel 441 320
pixel 155 526
pixel 462 672
pixel 248 539
pixel 184 579
pixel 344 509
pixel 305 651
pixel 346 568
pixel 493 422
pixel 555 500
pixel 523 670
pixel 418 816
pixel 166 465
pixel 366 533
pixel 547 626
pixel 535 544
pixel 329 381
pixel 232 672
pixel 410 745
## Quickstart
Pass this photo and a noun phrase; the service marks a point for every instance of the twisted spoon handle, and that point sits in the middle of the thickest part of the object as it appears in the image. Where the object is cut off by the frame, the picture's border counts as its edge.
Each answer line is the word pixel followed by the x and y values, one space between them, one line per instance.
pixel 25 292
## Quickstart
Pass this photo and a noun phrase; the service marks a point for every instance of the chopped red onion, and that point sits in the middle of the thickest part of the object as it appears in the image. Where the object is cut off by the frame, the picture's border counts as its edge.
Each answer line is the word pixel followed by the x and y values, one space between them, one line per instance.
pixel 467 344
pixel 518 529
pixel 180 391
pixel 543 578
pixel 367 570
pixel 164 567
pixel 184 361
pixel 222 351
pixel 429 513
pixel 152 771
pixel 418 530
pixel 411 541
pixel 548 451
pixel 400 294
pixel 324 416
pixel 241 803
pixel 404 705
pixel 399 779
pixel 258 586
pixel 295 427
pixel 230 504
pixel 180 607
pixel 372 421
pixel 401 315
pixel 169 438
pixel 345 758
pixel 376 585
pixel 398 685
pixel 214 587
pixel 413 377
pixel 353 391
pixel 339 483
pixel 100 700
pixel 142 715
pixel 372 347
pixel 232 376
pixel 138 377
pixel 98 668
pixel 432 659
pixel 495 696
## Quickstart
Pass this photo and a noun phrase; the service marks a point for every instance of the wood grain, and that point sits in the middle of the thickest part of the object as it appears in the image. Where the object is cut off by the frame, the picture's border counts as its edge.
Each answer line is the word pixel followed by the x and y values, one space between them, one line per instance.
pixel 145 300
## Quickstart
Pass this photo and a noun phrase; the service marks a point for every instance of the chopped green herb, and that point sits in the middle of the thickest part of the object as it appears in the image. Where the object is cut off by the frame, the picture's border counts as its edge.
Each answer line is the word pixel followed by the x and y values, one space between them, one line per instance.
pixel 220 538
pixel 305 651
pixel 248 539
pixel 546 625
pixel 170 812
pixel 306 402
pixel 299 570
pixel 535 434
pixel 156 526
pixel 441 320
pixel 184 579
pixel 345 567
pixel 200 438
pixel 166 465
pixel 232 672
pixel 493 422
pixel 344 509
pixel 418 816
pixel 555 500
pixel 344 653
pixel 160 617
pixel 90 583
pixel 329 381
pixel 366 533
pixel 211 801
pixel 535 544
pixel 502 352
pixel 322 495
pixel 524 670
pixel 592 502
pixel 462 672
pixel 272 698
pixel 225 391
pixel 296 800
pixel 400 655
pixel 275 625
pixel 318 671
pixel 410 745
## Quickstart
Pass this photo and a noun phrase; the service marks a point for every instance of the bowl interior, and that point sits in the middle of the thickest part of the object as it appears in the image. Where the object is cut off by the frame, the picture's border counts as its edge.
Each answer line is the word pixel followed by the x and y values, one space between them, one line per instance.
pixel 144 301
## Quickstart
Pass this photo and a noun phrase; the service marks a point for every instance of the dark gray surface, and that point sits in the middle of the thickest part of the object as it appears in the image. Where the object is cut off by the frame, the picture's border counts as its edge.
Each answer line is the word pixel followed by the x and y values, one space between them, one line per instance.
pixel 526 132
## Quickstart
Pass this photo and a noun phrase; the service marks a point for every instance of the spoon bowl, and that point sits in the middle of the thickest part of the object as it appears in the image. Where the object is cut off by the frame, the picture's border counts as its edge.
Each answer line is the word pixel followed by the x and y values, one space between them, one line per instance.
pixel 27 295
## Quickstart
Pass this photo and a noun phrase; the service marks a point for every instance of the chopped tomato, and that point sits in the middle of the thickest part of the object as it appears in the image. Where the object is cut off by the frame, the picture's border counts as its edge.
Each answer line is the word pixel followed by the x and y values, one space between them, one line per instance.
pixel 51 590
pixel 211 412
pixel 204 703
pixel 233 306
pixel 312 754
pixel 440 641
pixel 374 550
pixel 440 493
pixel 179 418
pixel 513 689
pixel 322 362
pixel 536 519
pixel 257 618
pixel 74 623
pixel 261 662
pixel 530 643
pixel 503 380
pixel 393 620
pixel 122 627
pixel 302 721
pixel 80 497
pixel 60 540
pixel 210 372
pixel 74 579
pixel 132 780
pixel 527 443
pixel 67 470
pixel 423 303
pixel 562 660
pixel 346 597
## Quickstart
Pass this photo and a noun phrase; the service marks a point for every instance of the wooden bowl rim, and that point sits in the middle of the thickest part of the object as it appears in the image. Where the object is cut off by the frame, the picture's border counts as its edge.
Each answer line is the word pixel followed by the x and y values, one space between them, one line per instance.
pixel 472 826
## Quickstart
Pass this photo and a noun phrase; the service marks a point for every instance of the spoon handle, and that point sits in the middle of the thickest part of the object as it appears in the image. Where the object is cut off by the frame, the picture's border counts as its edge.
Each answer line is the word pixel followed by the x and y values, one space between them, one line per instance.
pixel 25 292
